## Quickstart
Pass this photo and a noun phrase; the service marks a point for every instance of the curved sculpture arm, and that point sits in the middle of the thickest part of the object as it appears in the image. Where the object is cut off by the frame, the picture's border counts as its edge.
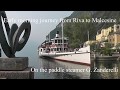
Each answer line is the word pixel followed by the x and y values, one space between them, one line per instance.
pixel 13 36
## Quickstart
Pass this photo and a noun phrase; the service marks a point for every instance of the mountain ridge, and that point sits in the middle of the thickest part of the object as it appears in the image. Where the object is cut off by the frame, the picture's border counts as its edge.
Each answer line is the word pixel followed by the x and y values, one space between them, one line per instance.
pixel 77 32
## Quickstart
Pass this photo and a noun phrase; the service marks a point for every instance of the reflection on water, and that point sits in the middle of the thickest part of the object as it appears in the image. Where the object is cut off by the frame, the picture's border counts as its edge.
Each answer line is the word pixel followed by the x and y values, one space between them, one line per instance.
pixel 81 71
pixel 70 70
pixel 109 69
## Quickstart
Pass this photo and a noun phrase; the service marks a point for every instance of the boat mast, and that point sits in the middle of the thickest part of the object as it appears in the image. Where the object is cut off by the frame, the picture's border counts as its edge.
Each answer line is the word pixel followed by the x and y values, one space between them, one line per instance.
pixel 88 36
pixel 49 37
pixel 62 37
pixel 0 51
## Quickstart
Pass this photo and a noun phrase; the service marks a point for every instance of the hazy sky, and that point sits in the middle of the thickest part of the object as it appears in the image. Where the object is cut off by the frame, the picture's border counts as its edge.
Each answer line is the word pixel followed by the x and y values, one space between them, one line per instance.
pixel 38 31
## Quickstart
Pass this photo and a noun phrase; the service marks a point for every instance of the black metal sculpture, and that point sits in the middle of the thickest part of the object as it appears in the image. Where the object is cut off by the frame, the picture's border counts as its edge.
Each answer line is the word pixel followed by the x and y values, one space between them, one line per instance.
pixel 13 35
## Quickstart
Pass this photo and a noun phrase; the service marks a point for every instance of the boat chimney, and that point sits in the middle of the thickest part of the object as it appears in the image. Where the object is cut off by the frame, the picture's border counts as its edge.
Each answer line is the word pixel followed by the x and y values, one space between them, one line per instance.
pixel 57 34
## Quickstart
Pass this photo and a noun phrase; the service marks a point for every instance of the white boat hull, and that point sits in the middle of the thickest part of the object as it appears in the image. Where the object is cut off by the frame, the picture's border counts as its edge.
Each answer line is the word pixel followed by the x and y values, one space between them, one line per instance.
pixel 76 58
pixel 80 57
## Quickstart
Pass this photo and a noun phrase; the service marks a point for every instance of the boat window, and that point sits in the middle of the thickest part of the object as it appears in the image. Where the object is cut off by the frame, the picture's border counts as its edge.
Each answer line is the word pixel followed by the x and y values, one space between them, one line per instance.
pixel 64 41
pixel 58 41
pixel 60 49
pixel 55 41
pixel 64 49
pixel 50 43
pixel 41 50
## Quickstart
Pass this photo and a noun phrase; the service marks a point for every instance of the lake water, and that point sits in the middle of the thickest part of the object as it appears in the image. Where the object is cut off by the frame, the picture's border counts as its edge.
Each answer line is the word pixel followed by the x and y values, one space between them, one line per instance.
pixel 52 69
pixel 70 70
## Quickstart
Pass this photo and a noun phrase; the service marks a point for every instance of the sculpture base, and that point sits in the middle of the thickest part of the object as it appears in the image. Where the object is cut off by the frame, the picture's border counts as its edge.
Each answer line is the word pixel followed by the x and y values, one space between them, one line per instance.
pixel 15 68
pixel 17 63
pixel 25 74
